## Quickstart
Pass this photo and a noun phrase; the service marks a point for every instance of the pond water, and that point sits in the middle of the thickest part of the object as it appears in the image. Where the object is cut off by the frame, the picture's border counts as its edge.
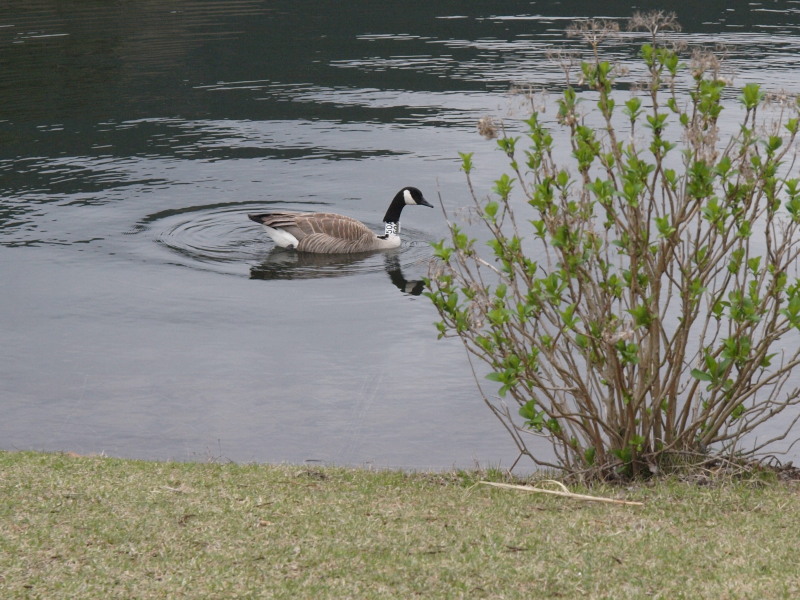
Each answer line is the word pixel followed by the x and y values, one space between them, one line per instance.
pixel 143 315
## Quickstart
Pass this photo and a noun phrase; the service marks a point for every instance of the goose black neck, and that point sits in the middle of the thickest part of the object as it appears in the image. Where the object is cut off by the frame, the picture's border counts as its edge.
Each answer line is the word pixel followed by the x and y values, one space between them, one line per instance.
pixel 395 208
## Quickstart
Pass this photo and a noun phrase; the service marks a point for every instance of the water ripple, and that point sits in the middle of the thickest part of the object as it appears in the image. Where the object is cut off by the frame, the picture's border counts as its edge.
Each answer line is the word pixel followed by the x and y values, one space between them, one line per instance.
pixel 220 238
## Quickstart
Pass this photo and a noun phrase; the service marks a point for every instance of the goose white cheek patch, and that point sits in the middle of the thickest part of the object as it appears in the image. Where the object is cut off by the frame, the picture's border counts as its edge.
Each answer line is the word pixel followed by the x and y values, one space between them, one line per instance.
pixel 408 197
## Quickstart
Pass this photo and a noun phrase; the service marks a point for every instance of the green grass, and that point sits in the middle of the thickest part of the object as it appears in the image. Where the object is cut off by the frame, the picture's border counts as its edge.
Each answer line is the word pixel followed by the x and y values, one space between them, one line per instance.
pixel 83 527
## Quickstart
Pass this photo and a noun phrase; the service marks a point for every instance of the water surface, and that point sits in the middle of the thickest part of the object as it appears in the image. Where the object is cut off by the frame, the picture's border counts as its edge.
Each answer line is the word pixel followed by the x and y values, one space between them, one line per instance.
pixel 143 315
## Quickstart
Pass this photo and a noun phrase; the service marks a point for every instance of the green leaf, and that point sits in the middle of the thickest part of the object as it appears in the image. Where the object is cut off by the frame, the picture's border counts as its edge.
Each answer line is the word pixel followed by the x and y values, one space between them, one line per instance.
pixel 701 375
pixel 641 316
pixel 737 412
pixel 534 419
pixel 502 186
pixel 441 251
pixel 665 229
pixel 637 442
pixel 632 108
pixel 751 96
pixel 466 161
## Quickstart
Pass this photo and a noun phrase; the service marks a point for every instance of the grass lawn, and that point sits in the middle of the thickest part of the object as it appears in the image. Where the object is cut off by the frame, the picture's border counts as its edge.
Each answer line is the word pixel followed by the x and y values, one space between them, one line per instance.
pixel 91 527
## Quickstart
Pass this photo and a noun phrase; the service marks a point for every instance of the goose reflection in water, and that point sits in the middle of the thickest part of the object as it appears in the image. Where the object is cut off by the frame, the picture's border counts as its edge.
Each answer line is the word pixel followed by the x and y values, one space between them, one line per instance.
pixel 288 264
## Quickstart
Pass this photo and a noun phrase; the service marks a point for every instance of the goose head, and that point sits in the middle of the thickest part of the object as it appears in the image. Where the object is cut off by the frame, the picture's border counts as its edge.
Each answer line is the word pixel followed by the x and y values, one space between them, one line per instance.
pixel 412 195
pixel 408 196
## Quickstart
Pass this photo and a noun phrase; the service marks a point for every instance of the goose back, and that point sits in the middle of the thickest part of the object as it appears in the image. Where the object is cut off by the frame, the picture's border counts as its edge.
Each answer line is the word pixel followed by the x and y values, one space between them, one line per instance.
pixel 326 233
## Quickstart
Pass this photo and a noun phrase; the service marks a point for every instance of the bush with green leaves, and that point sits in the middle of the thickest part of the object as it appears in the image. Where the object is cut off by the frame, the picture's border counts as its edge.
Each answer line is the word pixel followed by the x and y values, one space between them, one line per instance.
pixel 638 301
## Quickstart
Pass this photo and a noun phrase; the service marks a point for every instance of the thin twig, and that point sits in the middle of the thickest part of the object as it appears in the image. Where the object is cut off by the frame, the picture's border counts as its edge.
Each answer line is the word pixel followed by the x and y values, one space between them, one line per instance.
pixel 565 494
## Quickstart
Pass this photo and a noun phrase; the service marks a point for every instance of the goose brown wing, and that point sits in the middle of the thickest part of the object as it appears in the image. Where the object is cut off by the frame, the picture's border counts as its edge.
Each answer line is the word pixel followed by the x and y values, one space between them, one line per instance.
pixel 333 225
pixel 282 220
pixel 333 234
pixel 323 243
pixel 326 233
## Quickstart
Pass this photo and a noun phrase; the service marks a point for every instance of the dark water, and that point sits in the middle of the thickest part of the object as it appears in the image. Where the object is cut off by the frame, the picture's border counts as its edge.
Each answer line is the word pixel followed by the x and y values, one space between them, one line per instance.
pixel 143 315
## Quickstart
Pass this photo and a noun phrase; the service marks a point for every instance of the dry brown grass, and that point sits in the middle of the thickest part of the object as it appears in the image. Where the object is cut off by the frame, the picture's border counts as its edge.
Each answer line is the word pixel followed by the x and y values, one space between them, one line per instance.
pixel 73 527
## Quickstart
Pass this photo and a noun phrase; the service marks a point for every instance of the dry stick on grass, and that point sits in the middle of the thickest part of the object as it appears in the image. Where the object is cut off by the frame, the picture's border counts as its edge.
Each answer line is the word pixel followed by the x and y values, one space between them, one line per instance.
pixel 565 493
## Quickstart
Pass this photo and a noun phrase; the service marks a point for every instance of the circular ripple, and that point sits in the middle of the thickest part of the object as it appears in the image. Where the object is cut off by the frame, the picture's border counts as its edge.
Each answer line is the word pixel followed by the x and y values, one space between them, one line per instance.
pixel 220 238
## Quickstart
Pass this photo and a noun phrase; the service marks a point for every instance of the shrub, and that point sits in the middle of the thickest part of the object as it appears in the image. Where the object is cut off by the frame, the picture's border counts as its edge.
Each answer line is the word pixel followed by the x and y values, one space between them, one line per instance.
pixel 640 301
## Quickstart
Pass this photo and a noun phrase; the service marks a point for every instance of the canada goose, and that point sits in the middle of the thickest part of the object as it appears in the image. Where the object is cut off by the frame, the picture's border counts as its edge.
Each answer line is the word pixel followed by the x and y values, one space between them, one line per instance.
pixel 329 233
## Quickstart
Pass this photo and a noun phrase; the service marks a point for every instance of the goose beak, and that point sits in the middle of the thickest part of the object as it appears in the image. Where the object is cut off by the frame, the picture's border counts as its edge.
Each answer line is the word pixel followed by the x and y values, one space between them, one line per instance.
pixel 423 202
